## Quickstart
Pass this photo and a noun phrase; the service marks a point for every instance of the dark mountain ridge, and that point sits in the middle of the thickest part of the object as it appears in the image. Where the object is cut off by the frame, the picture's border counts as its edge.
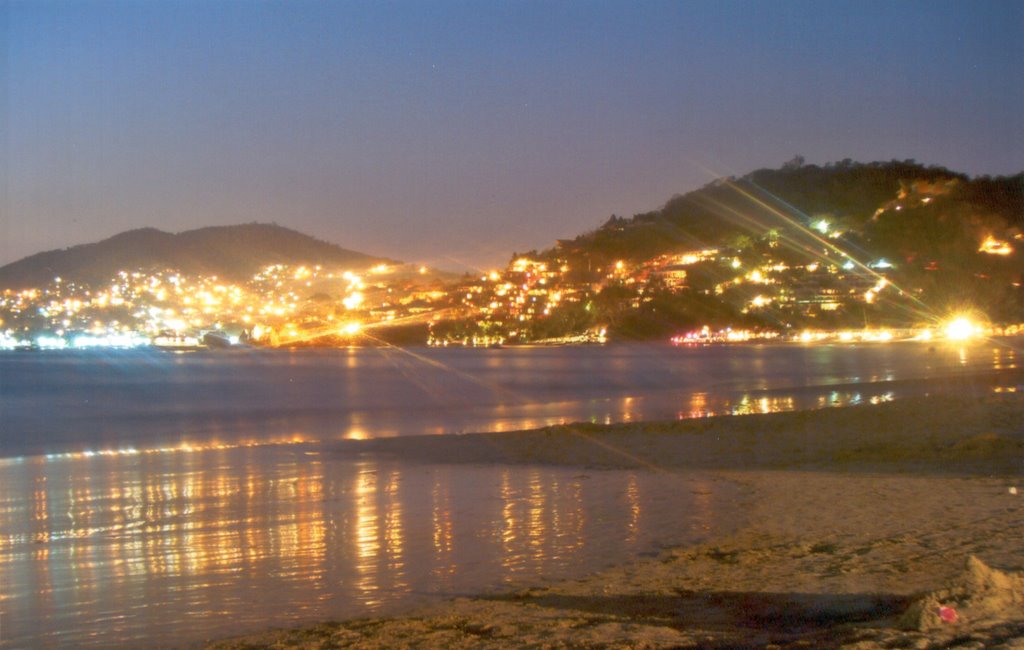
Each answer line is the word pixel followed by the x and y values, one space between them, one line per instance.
pixel 788 200
pixel 231 252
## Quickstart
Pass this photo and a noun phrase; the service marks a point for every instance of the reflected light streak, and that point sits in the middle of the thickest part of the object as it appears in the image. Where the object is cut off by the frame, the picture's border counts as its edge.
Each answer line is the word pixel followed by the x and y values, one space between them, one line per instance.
pixel 394 533
pixel 748 403
pixel 575 520
pixel 367 536
pixel 633 499
pixel 183 448
pixel 698 405
pixel 441 527
pixel 508 532
pixel 181 542
pixel 536 524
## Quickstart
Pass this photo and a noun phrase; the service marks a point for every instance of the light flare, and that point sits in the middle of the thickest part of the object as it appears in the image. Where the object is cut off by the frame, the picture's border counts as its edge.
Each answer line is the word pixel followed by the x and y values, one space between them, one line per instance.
pixel 962 328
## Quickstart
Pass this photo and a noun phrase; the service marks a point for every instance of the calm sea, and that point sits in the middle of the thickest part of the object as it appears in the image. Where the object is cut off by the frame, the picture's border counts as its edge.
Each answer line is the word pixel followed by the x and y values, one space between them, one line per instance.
pixel 54 402
pixel 150 498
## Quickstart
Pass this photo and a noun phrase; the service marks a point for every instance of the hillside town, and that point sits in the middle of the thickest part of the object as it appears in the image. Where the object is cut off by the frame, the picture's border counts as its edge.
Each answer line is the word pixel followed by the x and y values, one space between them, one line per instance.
pixel 535 299
pixel 846 252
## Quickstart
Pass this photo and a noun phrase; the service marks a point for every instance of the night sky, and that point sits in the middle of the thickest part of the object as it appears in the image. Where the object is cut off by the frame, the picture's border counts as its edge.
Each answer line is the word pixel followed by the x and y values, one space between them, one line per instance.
pixel 454 133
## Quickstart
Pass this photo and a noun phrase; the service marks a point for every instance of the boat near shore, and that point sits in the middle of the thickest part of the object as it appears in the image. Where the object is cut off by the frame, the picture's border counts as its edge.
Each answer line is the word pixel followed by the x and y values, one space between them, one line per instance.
pixel 218 340
pixel 203 340
pixel 177 342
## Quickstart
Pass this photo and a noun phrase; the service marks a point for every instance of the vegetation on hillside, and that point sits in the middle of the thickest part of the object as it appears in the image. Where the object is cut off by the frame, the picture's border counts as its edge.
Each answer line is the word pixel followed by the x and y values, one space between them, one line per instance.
pixel 926 226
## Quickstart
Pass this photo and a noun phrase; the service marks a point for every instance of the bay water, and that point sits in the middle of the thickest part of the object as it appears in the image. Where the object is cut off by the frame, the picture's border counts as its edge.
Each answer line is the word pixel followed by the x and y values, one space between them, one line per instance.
pixel 159 499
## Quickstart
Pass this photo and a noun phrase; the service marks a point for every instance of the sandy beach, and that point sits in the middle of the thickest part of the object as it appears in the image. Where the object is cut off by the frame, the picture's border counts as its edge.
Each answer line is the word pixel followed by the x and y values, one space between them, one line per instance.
pixel 892 525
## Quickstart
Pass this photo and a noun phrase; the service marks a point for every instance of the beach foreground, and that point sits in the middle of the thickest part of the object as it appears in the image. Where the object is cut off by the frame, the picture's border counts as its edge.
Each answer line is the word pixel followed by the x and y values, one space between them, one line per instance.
pixel 891 525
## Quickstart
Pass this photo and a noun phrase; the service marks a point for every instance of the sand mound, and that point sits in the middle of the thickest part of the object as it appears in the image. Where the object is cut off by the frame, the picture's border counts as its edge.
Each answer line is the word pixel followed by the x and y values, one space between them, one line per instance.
pixel 980 597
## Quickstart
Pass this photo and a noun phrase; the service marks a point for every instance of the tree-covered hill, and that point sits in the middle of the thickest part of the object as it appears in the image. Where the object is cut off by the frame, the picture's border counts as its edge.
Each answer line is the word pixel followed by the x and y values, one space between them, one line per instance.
pixel 939 239
pixel 792 198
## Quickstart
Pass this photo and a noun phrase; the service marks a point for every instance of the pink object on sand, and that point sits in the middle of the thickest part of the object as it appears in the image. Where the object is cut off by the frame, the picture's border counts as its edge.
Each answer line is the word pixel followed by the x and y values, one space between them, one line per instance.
pixel 948 614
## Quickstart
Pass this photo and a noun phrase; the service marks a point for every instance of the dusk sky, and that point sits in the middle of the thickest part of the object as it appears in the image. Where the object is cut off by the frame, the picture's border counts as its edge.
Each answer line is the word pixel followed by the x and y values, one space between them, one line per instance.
pixel 454 133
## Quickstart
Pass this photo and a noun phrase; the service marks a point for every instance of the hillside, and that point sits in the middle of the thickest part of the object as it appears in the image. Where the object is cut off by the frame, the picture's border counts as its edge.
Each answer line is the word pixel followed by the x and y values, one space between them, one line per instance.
pixel 817 236
pixel 844 246
pixel 230 252
pixel 834 247
pixel 789 200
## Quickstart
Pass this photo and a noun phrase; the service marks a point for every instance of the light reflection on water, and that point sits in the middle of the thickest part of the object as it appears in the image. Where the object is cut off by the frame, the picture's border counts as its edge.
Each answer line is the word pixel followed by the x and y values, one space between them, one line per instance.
pixel 796 378
pixel 124 550
pixel 182 496
pixel 702 405
pixel 62 402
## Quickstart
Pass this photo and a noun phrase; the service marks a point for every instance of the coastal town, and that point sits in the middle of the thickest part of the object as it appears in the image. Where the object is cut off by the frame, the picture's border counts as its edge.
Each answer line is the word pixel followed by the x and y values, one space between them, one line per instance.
pixel 501 325
pixel 543 298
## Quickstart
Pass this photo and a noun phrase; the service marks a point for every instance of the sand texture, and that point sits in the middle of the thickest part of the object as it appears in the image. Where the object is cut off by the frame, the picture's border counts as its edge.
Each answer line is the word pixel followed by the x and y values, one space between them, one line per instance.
pixel 899 525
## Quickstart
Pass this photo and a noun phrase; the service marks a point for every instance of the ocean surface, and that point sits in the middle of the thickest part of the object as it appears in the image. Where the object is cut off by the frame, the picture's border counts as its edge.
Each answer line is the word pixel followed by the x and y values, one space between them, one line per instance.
pixel 54 402
pixel 150 498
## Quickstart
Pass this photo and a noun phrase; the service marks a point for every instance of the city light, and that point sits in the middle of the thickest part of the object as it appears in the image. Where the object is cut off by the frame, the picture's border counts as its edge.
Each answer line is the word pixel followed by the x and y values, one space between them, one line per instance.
pixel 51 343
pixel 962 328
pixel 532 299
pixel 129 340
pixel 993 246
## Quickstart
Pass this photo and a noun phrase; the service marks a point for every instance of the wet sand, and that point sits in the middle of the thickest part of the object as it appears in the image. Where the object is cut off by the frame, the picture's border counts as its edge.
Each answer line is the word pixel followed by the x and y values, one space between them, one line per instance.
pixel 863 527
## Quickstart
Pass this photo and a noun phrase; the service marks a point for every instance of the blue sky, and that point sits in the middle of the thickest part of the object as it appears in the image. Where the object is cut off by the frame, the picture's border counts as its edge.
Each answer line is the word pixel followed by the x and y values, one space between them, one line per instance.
pixel 455 133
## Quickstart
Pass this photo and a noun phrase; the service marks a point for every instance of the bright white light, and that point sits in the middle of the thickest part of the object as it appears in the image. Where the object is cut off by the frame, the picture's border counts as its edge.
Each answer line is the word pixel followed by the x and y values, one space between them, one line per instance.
pixel 353 300
pixel 961 329
pixel 110 341
pixel 51 343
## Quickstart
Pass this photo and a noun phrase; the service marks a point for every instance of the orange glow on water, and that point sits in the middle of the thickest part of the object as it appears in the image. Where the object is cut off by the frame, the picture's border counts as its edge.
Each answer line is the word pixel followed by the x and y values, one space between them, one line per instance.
pixel 181 448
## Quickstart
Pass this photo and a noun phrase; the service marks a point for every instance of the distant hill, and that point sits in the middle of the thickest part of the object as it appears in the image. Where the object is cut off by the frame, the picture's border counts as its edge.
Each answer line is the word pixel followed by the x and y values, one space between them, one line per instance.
pixel 899 208
pixel 945 240
pixel 231 252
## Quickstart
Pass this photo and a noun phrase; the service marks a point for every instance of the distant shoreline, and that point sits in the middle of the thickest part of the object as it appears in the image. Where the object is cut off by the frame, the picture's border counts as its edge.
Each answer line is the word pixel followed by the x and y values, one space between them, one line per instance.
pixel 866 337
pixel 911 434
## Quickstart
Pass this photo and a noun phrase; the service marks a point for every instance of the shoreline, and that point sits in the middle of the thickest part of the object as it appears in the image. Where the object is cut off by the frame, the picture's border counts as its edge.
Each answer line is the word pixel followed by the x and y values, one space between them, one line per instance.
pixel 854 515
pixel 946 434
